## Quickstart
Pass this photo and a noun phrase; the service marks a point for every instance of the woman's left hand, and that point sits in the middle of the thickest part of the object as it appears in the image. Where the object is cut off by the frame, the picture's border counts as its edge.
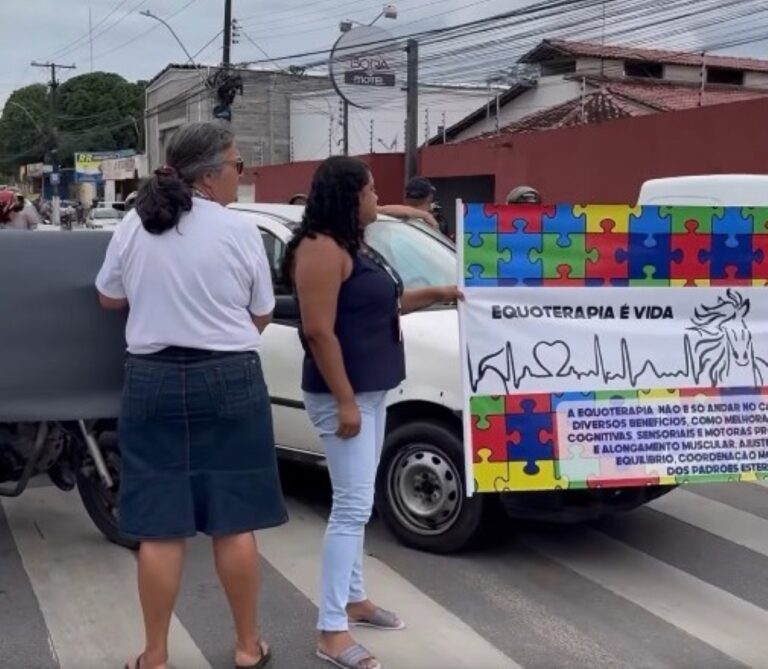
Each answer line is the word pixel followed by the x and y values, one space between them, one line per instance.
pixel 450 295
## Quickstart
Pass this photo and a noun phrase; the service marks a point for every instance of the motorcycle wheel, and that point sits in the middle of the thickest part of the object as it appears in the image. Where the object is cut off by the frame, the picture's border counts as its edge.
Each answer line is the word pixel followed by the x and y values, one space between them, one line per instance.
pixel 101 503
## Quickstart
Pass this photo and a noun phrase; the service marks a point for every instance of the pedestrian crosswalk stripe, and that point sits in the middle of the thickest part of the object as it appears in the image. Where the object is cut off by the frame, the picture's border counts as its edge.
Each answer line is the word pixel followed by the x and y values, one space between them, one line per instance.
pixel 435 637
pixel 734 525
pixel 85 586
pixel 714 616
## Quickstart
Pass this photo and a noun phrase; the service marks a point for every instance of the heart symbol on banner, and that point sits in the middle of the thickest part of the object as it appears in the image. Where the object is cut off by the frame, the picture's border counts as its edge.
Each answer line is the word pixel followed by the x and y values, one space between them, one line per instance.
pixel 553 357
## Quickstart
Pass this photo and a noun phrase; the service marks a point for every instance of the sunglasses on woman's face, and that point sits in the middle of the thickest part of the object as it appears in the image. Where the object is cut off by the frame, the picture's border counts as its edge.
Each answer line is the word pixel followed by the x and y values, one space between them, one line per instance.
pixel 239 164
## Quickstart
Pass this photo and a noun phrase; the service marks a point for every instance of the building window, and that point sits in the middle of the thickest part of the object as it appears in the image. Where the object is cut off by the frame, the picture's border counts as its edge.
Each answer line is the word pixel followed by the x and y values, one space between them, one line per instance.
pixel 558 66
pixel 643 68
pixel 725 75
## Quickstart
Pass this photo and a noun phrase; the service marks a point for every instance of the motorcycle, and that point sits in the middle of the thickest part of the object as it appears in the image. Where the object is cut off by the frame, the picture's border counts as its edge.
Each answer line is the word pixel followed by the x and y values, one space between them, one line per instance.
pixel 61 368
pixel 73 454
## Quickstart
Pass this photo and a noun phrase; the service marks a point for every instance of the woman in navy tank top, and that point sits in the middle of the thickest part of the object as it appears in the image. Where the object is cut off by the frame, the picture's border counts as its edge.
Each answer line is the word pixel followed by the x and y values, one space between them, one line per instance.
pixel 351 302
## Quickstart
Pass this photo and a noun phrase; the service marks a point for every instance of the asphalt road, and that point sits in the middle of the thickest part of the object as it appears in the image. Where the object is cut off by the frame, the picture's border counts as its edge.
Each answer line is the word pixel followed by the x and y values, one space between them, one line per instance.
pixel 680 583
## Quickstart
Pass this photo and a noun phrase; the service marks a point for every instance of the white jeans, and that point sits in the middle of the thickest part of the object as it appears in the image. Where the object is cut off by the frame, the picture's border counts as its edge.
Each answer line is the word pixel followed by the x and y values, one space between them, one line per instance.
pixel 352 464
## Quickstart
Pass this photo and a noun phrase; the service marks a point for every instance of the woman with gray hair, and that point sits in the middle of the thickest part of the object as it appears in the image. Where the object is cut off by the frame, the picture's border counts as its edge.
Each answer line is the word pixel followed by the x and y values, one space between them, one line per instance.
pixel 195 428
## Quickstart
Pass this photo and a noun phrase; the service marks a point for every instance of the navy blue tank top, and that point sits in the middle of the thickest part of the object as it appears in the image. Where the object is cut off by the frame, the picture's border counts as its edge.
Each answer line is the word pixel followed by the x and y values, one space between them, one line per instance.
pixel 368 330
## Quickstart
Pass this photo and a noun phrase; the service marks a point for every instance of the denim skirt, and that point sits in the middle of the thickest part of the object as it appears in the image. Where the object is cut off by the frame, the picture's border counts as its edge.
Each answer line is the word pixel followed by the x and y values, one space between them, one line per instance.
pixel 197 446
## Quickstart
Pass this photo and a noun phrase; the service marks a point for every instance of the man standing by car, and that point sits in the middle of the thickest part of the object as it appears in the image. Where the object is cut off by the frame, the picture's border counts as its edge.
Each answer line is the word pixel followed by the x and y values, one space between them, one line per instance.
pixel 419 197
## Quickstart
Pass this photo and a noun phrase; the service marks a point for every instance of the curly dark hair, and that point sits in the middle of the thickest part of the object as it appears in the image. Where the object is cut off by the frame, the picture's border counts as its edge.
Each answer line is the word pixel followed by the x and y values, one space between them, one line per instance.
pixel 332 209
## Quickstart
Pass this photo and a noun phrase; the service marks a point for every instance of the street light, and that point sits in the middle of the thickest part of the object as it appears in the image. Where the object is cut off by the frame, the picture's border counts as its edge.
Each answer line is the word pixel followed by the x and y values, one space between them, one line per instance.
pixel 28 114
pixel 388 12
pixel 150 15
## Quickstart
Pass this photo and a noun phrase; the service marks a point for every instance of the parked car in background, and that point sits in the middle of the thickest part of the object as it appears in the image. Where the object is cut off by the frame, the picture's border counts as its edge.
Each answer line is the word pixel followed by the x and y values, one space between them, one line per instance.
pixel 103 218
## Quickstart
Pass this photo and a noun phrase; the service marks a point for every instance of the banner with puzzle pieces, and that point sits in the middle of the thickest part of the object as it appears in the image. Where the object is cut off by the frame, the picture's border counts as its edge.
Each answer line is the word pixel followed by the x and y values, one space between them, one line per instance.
pixel 614 245
pixel 568 388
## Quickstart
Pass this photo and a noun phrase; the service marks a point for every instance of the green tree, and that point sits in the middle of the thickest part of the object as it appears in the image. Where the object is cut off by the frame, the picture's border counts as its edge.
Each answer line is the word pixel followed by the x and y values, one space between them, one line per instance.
pixel 100 111
pixel 25 127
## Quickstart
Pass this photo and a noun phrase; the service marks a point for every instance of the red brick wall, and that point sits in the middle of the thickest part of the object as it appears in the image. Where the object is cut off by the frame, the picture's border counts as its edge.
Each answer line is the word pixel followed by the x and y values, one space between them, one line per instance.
pixel 608 162
pixel 277 183
pixel 597 163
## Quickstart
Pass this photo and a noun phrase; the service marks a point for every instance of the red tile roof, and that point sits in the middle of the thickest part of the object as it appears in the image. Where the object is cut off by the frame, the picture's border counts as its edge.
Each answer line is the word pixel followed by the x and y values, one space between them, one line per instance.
pixel 596 50
pixel 612 99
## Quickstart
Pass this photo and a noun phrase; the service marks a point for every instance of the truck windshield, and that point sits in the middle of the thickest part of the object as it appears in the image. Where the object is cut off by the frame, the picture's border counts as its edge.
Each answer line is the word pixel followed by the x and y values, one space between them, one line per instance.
pixel 419 256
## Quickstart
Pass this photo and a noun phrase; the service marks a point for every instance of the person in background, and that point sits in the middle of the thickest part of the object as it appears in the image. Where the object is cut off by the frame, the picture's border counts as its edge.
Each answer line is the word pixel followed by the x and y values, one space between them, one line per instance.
pixel 299 199
pixel 419 198
pixel 350 302
pixel 195 430
pixel 524 195
pixel 12 216
pixel 7 206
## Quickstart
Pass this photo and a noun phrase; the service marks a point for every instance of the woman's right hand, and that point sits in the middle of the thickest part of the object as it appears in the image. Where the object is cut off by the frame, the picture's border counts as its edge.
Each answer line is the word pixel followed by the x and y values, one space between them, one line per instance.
pixel 349 419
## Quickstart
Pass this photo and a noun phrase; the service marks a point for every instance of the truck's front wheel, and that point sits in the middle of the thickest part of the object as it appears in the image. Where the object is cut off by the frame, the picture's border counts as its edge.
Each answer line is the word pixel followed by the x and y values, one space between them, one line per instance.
pixel 420 489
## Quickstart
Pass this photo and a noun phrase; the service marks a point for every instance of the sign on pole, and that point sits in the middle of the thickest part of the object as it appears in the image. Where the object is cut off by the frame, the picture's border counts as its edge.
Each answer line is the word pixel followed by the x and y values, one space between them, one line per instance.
pixel 366 64
pixel 613 346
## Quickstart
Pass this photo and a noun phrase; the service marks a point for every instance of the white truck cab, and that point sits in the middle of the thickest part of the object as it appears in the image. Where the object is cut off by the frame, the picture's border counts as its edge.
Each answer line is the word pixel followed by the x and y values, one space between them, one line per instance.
pixel 723 190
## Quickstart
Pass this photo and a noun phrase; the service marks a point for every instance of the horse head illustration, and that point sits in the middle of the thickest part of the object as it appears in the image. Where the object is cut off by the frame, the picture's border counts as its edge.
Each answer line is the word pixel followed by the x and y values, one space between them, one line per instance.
pixel 725 350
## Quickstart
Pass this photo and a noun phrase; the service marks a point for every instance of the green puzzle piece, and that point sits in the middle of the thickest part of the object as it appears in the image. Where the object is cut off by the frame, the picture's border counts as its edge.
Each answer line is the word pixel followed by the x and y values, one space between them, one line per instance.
pixel 759 216
pixel 605 395
pixel 649 279
pixel 575 255
pixel 483 406
pixel 486 256
pixel 681 215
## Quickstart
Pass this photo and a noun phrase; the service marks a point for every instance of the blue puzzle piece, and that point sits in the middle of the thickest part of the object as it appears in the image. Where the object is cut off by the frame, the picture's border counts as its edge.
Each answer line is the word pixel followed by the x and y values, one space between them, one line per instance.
pixel 651 223
pixel 476 280
pixel 518 283
pixel 477 222
pixel 733 223
pixel 520 267
pixel 558 399
pixel 534 434
pixel 649 251
pixel 725 392
pixel 725 254
pixel 564 223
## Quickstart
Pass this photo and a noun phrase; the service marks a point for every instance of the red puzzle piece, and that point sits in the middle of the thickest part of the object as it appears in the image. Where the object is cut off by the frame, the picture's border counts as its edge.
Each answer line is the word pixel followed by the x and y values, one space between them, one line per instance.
pixel 693 392
pixel 494 439
pixel 565 278
pixel 607 243
pixel 760 266
pixel 519 217
pixel 696 248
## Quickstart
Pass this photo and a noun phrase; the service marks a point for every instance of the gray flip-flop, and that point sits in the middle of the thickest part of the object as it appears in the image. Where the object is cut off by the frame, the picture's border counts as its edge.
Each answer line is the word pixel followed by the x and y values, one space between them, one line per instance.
pixel 380 620
pixel 351 658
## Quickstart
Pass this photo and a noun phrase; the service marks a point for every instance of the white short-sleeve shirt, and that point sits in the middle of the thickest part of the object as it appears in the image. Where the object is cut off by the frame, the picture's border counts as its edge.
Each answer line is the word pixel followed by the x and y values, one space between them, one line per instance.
pixel 195 286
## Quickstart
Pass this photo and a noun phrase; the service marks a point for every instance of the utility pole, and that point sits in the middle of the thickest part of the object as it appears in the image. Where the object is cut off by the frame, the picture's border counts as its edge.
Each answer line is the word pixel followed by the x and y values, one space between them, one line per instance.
pixel 226 56
pixel 412 110
pixel 54 135
pixel 345 126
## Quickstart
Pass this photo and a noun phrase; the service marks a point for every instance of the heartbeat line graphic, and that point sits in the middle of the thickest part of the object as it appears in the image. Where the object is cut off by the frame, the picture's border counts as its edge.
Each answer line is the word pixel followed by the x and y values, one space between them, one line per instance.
pixel 553 359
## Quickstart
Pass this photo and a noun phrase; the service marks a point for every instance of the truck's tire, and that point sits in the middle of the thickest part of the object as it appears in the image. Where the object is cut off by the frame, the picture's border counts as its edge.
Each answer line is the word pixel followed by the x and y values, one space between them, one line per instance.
pixel 420 488
pixel 100 503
